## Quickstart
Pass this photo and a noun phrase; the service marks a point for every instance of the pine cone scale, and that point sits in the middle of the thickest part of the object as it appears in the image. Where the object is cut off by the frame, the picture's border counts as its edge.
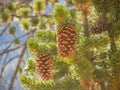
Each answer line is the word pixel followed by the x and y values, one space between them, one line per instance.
pixel 101 25
pixel 66 37
pixel 44 66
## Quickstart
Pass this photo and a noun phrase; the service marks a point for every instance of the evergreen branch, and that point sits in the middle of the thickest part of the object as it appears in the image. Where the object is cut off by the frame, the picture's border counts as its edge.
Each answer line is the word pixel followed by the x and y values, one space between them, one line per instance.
pixel 114 59
pixel 37 48
pixel 25 80
pixel 30 67
pixel 97 41
pixel 30 82
pixel 61 15
pixel 33 46
pixel 65 84
pixel 46 35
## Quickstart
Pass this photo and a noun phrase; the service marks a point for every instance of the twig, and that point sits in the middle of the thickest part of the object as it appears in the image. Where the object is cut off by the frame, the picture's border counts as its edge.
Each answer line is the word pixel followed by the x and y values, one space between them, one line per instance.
pixel 5 59
pixel 5 29
pixel 7 47
pixel 4 66
pixel 5 51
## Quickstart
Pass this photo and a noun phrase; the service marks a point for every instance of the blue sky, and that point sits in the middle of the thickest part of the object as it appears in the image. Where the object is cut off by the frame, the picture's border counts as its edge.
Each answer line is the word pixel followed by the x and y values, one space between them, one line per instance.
pixel 12 65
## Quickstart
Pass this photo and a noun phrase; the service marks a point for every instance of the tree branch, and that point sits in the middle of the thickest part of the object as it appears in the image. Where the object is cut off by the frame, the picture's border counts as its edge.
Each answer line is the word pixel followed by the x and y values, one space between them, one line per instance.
pixel 17 68
pixel 6 51
pixel 42 15
pixel 5 29
pixel 4 66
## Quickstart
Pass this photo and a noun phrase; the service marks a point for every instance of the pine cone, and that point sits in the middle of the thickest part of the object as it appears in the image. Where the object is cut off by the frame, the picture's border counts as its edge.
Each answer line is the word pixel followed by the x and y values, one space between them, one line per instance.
pixel 101 25
pixel 66 37
pixel 44 66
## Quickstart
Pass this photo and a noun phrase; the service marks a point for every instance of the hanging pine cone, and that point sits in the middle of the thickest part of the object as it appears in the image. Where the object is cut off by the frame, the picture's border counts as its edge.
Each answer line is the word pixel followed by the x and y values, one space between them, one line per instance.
pixel 44 66
pixel 101 25
pixel 66 37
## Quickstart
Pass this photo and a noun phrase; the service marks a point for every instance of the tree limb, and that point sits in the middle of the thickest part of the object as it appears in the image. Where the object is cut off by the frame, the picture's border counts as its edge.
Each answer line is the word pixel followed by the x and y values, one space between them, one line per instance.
pixel 5 29
pixel 17 68
pixel 4 66
pixel 42 15
pixel 6 51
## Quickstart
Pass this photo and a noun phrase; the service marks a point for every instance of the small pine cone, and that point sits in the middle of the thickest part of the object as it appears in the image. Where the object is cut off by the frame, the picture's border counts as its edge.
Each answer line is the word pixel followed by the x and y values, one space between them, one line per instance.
pixel 101 25
pixel 67 39
pixel 44 66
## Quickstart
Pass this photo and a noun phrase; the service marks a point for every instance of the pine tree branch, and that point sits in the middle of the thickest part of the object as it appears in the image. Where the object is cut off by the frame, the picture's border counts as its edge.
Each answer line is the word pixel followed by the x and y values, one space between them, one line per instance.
pixel 112 38
pixel 85 23
pixel 115 81
pixel 86 33
pixel 112 44
pixel 88 53
pixel 17 68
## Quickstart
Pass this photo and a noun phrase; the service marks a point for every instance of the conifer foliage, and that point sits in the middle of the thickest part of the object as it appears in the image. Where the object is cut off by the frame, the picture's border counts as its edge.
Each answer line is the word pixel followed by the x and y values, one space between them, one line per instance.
pixel 43 59
pixel 74 47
